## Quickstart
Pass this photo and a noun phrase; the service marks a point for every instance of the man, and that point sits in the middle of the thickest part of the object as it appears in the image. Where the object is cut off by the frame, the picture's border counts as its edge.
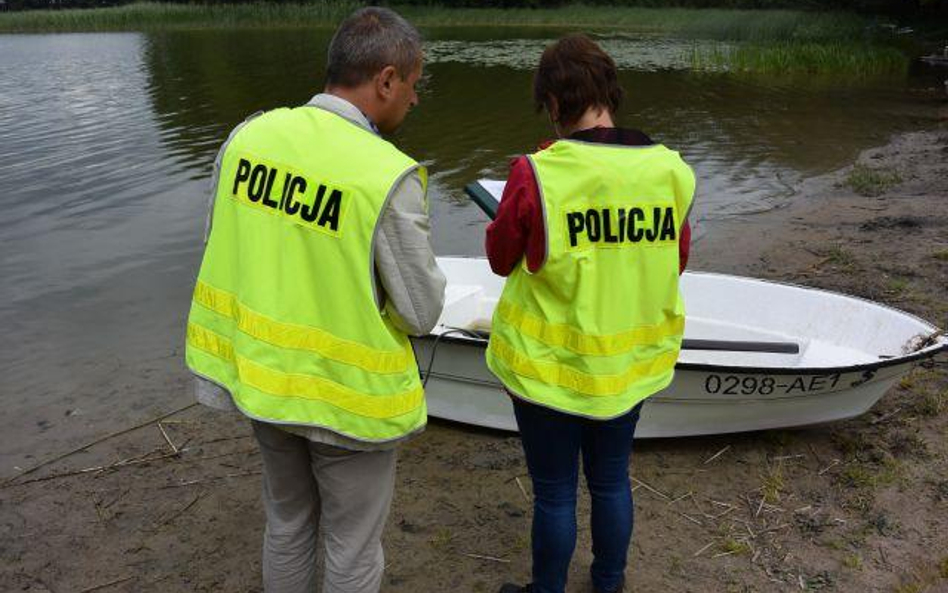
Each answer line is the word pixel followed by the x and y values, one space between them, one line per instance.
pixel 316 267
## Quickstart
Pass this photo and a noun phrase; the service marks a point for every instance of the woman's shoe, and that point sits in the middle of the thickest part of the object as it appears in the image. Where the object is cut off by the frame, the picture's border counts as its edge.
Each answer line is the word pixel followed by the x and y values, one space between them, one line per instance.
pixel 619 589
pixel 511 588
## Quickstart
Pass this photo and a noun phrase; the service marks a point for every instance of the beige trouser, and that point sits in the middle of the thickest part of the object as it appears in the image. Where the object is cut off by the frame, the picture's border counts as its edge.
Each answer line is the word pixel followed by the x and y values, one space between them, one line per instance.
pixel 311 490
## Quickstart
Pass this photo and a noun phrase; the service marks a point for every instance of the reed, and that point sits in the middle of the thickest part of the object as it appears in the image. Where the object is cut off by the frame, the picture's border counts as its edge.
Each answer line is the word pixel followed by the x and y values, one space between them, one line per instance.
pixel 155 15
pixel 723 24
pixel 853 60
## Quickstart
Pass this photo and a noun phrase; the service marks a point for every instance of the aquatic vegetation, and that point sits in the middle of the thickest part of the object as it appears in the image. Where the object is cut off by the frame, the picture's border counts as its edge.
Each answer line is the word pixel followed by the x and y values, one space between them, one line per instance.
pixel 156 15
pixel 721 24
pixel 642 54
pixel 852 59
pixel 871 182
pixel 768 41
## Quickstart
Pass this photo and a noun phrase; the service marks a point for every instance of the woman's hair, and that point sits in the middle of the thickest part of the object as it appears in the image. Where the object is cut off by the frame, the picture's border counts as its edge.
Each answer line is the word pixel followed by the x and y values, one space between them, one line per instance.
pixel 578 75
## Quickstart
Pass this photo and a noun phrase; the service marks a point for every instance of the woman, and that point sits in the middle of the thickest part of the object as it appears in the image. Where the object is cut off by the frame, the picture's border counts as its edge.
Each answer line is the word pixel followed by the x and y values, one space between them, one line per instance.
pixel 592 234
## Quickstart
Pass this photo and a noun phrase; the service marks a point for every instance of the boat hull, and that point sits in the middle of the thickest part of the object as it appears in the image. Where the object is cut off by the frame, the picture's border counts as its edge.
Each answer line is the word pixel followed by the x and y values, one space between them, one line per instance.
pixel 700 401
pixel 847 352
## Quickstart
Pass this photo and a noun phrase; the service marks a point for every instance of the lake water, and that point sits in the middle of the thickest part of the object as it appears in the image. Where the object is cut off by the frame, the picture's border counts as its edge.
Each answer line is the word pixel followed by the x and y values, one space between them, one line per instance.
pixel 106 142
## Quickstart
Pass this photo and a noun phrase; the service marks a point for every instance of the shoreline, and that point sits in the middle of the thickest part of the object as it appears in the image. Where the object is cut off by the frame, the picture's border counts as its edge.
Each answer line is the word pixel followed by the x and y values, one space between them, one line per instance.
pixel 746 41
pixel 719 23
pixel 832 507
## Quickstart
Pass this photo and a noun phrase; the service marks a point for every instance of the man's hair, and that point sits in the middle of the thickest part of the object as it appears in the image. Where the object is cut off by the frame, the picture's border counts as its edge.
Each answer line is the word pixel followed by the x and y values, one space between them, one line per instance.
pixel 579 75
pixel 367 41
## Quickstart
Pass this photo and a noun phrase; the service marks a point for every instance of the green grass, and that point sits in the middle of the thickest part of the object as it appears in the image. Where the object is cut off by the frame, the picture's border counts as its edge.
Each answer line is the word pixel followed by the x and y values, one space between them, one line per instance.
pixel 838 256
pixel 736 547
pixel 772 484
pixel 853 562
pixel 723 24
pixel 870 182
pixel 853 58
pixel 155 15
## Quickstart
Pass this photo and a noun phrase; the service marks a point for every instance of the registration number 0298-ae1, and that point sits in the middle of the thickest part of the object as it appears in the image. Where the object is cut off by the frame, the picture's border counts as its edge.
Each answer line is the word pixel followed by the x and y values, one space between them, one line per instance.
pixel 768 385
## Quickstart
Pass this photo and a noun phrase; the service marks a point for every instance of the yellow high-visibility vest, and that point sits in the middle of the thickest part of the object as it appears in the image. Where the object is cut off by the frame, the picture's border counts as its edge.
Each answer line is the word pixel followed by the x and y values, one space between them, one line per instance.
pixel 284 313
pixel 598 328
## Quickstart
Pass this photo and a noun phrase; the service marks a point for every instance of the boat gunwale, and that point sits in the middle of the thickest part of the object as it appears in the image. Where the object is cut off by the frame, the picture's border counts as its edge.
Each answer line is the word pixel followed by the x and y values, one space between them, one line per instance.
pixel 747 370
pixel 922 354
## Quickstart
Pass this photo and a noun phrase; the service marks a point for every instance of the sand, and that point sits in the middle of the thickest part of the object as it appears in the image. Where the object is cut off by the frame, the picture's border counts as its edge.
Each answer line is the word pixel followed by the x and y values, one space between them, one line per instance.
pixel 860 505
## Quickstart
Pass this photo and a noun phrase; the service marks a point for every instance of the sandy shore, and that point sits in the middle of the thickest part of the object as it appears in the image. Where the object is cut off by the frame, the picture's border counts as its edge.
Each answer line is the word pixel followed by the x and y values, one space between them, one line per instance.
pixel 853 506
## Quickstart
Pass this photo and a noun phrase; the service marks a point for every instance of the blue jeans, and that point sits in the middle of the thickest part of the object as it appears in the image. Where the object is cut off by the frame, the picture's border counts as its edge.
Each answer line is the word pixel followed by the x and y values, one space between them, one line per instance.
pixel 552 442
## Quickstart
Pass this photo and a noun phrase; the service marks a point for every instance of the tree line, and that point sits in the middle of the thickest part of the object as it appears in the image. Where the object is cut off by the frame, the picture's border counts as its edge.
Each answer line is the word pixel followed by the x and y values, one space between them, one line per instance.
pixel 899 8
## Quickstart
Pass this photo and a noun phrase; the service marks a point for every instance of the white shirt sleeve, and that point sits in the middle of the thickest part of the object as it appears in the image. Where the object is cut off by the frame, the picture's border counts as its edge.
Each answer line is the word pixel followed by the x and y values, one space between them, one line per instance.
pixel 412 284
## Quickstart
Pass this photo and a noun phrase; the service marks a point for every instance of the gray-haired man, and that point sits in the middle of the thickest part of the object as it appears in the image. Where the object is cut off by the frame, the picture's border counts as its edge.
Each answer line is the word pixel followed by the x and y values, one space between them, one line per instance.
pixel 331 385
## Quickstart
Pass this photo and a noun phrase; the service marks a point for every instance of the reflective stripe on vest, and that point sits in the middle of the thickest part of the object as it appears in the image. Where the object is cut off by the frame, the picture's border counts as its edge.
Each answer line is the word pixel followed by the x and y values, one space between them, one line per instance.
pixel 598 328
pixel 284 313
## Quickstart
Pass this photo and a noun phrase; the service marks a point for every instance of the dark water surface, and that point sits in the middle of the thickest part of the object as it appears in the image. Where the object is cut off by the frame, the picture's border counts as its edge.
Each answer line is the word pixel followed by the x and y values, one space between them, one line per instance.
pixel 106 142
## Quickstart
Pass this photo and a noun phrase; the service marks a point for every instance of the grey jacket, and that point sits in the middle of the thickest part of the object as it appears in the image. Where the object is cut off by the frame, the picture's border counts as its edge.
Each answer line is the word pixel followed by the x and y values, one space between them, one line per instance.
pixel 409 284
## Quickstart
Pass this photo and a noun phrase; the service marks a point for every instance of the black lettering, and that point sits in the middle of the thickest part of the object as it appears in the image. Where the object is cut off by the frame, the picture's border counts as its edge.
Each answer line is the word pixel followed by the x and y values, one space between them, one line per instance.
pixel 817 382
pixel 258 180
pixel 712 384
pixel 297 185
pixel 607 227
pixel 331 212
pixel 621 225
pixel 797 384
pixel 635 233
pixel 593 226
pixel 309 213
pixel 652 233
pixel 286 188
pixel 243 172
pixel 266 193
pixel 668 226
pixel 731 383
pixel 575 223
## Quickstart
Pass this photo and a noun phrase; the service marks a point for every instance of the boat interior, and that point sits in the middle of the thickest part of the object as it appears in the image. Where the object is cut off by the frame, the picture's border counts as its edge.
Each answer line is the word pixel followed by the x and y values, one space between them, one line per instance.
pixel 830 329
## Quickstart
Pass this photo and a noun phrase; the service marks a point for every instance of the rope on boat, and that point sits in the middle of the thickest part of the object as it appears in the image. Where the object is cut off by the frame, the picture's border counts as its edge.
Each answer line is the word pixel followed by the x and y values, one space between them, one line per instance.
pixel 437 341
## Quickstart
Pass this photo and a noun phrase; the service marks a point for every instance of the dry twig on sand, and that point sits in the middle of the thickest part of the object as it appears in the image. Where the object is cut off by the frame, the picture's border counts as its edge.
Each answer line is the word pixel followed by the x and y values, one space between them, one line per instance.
pixel 104 585
pixel 699 552
pixel 716 455
pixel 112 435
pixel 136 460
pixel 174 449
pixel 829 467
pixel 650 489
pixel 522 489
pixel 488 558
pixel 690 518
pixel 180 512
pixel 209 479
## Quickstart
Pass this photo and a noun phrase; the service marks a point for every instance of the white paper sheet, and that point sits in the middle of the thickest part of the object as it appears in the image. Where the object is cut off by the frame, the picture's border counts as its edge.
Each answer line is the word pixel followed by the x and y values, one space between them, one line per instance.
pixel 494 187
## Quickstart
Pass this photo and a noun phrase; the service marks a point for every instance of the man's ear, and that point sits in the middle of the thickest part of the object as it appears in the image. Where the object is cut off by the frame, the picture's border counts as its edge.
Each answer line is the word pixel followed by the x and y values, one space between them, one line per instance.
pixel 385 80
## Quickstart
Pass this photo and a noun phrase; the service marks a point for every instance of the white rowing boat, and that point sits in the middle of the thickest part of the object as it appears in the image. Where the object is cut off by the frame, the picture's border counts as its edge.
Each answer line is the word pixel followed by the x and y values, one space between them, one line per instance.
pixel 849 353
pixel 759 355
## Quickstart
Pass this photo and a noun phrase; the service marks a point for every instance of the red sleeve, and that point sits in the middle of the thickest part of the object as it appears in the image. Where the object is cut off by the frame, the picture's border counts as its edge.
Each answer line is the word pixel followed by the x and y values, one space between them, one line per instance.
pixel 517 230
pixel 684 246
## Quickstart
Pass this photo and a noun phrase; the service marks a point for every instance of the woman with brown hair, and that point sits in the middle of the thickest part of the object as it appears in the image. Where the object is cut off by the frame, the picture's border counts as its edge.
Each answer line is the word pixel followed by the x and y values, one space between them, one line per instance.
pixel 592 234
